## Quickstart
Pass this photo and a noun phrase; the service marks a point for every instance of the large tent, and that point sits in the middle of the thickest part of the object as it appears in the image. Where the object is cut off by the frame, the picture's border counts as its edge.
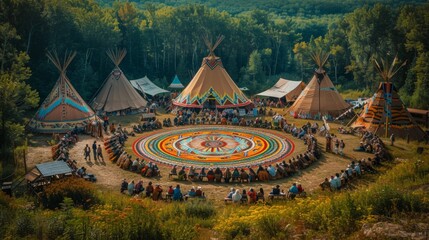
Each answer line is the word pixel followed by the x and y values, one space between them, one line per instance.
pixel 320 97
pixel 288 89
pixel 385 113
pixel 117 94
pixel 146 86
pixel 212 86
pixel 176 83
pixel 64 108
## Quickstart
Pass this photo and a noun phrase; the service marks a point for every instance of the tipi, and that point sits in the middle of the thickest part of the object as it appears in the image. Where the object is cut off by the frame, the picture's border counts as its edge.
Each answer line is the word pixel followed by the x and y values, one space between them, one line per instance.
pixel 176 83
pixel 212 86
pixel 64 108
pixel 117 94
pixel 385 114
pixel 319 97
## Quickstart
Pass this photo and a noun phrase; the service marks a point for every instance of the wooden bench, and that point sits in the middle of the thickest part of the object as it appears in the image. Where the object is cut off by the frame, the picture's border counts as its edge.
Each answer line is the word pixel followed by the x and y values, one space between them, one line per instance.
pixel 278 196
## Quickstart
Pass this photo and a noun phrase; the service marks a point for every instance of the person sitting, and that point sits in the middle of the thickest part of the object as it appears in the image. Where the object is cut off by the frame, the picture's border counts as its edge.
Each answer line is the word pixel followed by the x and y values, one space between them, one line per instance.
pixel 325 185
pixel 202 174
pixel 272 171
pixel 131 188
pixel 182 174
pixel 361 148
pixel 236 197
pixel 244 177
pixel 235 175
pixel 260 195
pixel 149 189
pixel 138 188
pixel 301 191
pixel 252 175
pixel 191 173
pixel 124 185
pixel 275 190
pixel 229 196
pixel 210 175
pixel 244 196
pixel 252 195
pixel 262 174
pixel 218 175
pixel 293 191
pixel 177 194
pixel 191 193
pixel 199 192
pixel 173 171
pixel 227 175
pixel 157 193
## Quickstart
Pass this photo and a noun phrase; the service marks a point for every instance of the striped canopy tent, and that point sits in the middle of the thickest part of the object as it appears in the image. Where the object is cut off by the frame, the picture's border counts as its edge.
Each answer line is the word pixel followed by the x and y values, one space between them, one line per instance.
pixel 117 94
pixel 385 113
pixel 319 97
pixel 176 83
pixel 64 108
pixel 211 86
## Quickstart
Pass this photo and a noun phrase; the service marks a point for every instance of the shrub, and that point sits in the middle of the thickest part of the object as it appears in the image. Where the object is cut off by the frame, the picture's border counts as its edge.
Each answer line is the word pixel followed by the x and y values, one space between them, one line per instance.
pixel 24 224
pixel 199 209
pixel 79 190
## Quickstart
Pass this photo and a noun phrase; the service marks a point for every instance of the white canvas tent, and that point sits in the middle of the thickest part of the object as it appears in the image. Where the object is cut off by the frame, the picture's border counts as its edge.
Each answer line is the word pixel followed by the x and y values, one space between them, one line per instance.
pixel 284 88
pixel 146 86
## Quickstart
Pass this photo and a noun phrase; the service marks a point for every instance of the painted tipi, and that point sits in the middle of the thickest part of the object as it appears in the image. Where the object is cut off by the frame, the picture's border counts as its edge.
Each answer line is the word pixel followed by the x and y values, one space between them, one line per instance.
pixel 320 97
pixel 64 108
pixel 117 95
pixel 385 113
pixel 211 86
pixel 176 83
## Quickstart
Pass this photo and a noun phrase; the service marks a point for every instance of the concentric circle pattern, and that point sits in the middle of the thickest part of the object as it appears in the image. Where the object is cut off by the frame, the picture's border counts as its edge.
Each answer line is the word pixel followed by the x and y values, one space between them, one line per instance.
pixel 205 146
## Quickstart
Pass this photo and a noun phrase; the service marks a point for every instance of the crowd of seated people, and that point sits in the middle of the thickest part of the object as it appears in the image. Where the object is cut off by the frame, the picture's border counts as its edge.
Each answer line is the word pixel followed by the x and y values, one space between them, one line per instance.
pixel 371 143
pixel 156 192
pixel 245 175
pixel 150 125
pixel 114 145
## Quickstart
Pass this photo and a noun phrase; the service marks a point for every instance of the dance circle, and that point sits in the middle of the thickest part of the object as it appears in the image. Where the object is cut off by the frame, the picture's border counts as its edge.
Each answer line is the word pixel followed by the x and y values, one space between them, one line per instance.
pixel 219 146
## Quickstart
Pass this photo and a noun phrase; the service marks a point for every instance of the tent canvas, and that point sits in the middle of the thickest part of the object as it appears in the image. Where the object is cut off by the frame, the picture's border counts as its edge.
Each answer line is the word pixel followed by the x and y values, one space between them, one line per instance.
pixel 176 83
pixel 320 97
pixel 385 113
pixel 212 85
pixel 284 88
pixel 63 109
pixel 117 93
pixel 146 86
pixel 385 108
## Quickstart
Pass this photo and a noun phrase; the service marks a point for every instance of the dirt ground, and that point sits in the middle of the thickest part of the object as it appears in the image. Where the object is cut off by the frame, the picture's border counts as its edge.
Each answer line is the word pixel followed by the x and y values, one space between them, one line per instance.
pixel 109 176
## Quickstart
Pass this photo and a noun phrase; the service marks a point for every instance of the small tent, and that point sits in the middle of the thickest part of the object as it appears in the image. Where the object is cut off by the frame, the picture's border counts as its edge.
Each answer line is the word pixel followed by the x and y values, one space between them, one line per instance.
pixel 117 94
pixel 146 86
pixel 63 109
pixel 385 114
pixel 319 97
pixel 211 86
pixel 176 83
pixel 288 89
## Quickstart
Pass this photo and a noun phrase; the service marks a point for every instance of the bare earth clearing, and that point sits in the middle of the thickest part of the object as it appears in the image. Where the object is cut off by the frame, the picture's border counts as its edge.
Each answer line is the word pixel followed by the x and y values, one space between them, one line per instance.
pixel 109 176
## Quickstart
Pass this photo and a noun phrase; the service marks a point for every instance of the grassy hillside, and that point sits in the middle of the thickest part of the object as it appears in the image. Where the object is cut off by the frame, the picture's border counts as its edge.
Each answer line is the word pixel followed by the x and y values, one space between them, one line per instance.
pixel 397 194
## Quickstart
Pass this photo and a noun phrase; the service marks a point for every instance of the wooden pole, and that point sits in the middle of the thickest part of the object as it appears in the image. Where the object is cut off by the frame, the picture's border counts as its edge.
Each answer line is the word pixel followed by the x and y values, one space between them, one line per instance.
pixel 25 160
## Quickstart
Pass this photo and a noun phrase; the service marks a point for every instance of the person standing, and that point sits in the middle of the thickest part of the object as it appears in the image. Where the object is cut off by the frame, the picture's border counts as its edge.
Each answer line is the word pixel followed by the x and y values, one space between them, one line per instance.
pixel 341 147
pixel 100 153
pixel 87 152
pixel 392 139
pixel 94 150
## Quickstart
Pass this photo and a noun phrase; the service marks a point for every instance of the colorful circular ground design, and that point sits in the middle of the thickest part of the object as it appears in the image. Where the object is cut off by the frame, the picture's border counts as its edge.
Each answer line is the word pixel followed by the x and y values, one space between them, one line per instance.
pixel 207 146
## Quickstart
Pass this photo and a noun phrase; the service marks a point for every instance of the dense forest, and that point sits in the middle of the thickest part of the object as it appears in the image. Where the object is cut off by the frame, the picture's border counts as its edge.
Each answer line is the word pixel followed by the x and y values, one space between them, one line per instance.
pixel 164 38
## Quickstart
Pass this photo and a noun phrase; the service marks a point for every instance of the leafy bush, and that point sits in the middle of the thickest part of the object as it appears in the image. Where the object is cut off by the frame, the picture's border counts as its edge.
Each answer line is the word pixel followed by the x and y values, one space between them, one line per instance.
pixel 79 190
pixel 199 209
pixel 24 224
